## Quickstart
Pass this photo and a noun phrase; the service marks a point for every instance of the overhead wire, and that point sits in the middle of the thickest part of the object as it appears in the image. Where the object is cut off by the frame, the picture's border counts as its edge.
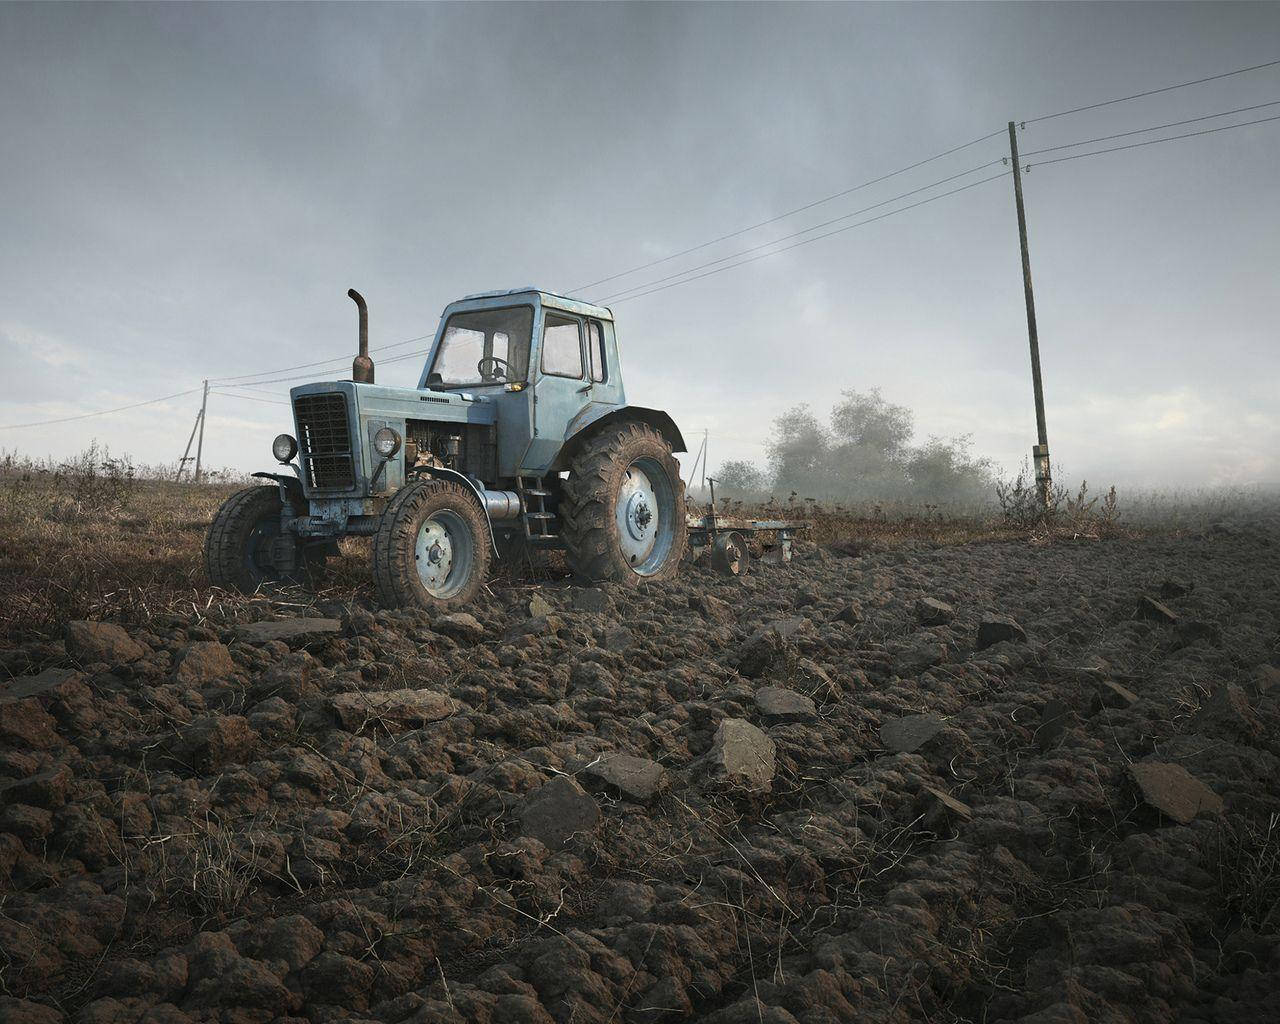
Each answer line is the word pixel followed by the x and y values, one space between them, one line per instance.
pixel 804 231
pixel 1154 142
pixel 790 213
pixel 1150 92
pixel 817 238
pixel 318 362
pixel 1152 128
pixel 100 412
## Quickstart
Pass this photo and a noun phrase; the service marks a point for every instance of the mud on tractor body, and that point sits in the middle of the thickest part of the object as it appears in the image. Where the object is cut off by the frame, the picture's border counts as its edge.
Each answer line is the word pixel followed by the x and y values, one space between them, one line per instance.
pixel 517 435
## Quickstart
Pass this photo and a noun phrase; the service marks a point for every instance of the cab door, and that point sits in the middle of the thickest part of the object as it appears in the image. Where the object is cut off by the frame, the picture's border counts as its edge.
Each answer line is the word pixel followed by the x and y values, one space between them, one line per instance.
pixel 562 387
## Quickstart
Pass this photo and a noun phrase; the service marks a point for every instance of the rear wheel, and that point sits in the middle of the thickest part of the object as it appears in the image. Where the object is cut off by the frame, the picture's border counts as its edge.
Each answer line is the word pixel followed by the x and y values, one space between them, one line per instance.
pixel 238 547
pixel 432 547
pixel 623 514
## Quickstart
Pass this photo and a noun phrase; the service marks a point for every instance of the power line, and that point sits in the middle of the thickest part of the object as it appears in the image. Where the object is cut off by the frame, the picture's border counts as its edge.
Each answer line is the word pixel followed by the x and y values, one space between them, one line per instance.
pixel 311 376
pixel 808 241
pixel 1153 128
pixel 100 412
pixel 249 398
pixel 805 231
pixel 318 362
pixel 789 213
pixel 1150 92
pixel 1153 142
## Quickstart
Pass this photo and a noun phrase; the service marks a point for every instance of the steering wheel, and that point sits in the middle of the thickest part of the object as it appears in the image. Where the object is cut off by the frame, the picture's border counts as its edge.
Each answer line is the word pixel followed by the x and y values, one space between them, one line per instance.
pixel 491 368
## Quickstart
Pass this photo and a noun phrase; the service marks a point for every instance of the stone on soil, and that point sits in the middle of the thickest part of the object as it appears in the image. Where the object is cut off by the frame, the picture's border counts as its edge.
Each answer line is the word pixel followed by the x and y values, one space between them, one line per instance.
pixel 851 614
pixel 557 811
pixel 1112 695
pixel 1153 611
pixel 931 612
pixel 907 735
pixel 636 778
pixel 540 607
pixel 779 704
pixel 460 626
pixel 999 629
pixel 744 753
pixel 91 643
pixel 402 708
pixel 1174 791
pixel 203 662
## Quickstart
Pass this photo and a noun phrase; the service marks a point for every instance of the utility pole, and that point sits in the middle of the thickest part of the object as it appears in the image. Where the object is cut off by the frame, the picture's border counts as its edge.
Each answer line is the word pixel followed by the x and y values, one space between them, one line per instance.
pixel 1040 453
pixel 705 437
pixel 186 452
pixel 204 403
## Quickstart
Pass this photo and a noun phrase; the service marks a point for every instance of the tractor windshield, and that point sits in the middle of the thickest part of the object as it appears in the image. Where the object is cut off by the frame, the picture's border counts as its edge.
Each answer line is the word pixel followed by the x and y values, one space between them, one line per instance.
pixel 484 346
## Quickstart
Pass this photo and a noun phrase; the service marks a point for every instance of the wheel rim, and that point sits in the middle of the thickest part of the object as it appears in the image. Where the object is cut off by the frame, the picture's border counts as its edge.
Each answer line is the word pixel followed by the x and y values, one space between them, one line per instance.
pixel 645 515
pixel 444 554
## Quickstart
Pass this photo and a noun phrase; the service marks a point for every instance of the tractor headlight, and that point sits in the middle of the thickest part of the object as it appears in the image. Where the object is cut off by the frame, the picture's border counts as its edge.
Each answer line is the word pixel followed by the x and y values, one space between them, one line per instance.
pixel 386 442
pixel 284 448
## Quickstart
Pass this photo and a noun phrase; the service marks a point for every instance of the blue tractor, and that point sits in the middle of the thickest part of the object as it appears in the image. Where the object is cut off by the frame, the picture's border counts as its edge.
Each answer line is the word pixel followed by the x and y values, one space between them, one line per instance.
pixel 518 435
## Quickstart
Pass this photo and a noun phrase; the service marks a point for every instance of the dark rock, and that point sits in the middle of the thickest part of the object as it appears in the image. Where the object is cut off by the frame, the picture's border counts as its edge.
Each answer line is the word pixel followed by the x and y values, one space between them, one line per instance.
pixel 286 630
pixel 91 643
pixel 1174 791
pixel 461 626
pixel 907 735
pixel 1226 710
pixel 778 704
pixel 744 754
pixel 850 613
pixel 557 811
pixel 636 778
pixel 202 663
pixel 931 612
pixel 943 804
pixel 999 629
pixel 1153 611
pixel 391 708
pixel 1111 694
pixel 1054 718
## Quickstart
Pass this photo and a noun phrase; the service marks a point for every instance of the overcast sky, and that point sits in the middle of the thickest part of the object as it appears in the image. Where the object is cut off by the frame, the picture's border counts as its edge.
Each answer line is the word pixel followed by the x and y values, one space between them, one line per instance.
pixel 188 191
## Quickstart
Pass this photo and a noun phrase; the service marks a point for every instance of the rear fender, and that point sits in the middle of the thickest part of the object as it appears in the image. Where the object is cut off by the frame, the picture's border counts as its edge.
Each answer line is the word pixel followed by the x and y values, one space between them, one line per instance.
pixel 592 420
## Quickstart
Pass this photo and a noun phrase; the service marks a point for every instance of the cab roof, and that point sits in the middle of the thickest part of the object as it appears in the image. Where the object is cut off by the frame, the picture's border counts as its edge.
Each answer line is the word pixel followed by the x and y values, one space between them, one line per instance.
pixel 546 298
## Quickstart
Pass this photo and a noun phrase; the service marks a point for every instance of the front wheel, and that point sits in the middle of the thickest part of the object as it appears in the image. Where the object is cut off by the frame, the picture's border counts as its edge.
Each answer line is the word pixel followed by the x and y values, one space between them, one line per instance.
pixel 238 551
pixel 623 514
pixel 432 547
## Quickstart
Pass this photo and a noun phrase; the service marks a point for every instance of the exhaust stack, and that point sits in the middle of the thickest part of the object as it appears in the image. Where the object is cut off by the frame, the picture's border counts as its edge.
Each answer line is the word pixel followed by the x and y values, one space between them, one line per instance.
pixel 362 365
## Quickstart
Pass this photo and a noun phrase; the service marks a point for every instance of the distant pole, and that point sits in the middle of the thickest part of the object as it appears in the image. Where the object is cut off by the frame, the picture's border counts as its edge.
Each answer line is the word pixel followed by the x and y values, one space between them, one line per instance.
pixel 1040 453
pixel 204 403
pixel 705 437
pixel 186 452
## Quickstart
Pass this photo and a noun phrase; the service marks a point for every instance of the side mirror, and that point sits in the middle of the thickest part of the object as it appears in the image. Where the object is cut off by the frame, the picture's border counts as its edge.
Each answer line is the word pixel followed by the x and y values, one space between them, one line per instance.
pixel 435 382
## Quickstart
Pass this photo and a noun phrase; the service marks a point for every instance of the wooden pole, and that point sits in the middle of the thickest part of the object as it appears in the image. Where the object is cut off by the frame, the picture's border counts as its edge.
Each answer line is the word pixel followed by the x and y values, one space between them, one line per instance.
pixel 204 404
pixel 1040 453
pixel 186 452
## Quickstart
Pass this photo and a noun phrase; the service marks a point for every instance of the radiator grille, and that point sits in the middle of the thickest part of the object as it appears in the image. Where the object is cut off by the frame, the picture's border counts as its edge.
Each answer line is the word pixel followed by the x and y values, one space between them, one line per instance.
pixel 324 439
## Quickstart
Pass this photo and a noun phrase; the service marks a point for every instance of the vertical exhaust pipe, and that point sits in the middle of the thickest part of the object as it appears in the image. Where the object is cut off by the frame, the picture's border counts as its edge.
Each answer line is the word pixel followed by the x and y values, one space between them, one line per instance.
pixel 362 365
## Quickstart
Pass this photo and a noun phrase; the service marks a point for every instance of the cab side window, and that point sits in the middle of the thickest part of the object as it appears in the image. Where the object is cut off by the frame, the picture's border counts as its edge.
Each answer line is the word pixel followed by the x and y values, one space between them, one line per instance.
pixel 595 346
pixel 561 347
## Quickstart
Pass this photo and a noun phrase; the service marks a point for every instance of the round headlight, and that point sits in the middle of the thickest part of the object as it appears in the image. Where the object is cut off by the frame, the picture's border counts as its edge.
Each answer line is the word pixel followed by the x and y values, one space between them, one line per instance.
pixel 284 448
pixel 386 442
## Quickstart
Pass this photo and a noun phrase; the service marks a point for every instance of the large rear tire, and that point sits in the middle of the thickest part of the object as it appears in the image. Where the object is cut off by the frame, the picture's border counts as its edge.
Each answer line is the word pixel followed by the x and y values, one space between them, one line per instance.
pixel 623 516
pixel 432 547
pixel 237 548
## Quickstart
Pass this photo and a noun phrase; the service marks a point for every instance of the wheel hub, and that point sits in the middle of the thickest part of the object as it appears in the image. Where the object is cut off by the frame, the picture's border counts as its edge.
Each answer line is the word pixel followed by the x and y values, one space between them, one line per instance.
pixel 637 515
pixel 434 554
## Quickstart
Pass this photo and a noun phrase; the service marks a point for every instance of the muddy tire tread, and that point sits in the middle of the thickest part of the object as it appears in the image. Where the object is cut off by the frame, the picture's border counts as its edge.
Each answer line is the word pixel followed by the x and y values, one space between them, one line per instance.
pixel 586 522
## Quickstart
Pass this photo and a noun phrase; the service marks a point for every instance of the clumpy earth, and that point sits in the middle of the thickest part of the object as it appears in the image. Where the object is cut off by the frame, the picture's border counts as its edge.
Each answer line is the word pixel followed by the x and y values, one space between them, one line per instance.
pixel 991 782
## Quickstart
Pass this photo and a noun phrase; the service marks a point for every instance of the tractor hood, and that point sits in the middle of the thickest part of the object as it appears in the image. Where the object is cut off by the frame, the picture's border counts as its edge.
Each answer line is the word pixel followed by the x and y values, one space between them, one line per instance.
pixel 336 420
